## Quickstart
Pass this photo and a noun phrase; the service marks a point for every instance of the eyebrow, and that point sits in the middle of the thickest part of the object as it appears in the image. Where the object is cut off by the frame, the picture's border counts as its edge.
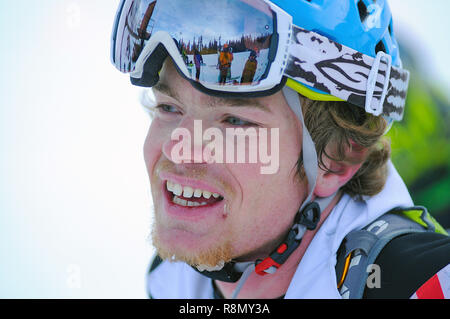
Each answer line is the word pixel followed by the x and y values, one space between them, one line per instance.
pixel 215 101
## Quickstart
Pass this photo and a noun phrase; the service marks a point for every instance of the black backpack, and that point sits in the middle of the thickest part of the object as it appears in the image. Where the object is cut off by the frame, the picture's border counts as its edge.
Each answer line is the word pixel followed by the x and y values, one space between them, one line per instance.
pixel 360 248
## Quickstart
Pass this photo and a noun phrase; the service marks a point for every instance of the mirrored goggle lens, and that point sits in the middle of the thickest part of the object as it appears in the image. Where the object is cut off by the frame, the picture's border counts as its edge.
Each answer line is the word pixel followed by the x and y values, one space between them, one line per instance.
pixel 225 42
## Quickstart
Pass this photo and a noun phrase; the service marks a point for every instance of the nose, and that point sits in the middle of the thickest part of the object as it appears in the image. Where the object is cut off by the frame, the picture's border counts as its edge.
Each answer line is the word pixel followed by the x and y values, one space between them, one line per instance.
pixel 185 144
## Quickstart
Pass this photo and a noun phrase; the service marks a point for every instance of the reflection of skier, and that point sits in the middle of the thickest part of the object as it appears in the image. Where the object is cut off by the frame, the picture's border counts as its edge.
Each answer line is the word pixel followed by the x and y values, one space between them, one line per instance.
pixel 250 68
pixel 230 50
pixel 256 50
pixel 225 59
pixel 184 55
pixel 198 61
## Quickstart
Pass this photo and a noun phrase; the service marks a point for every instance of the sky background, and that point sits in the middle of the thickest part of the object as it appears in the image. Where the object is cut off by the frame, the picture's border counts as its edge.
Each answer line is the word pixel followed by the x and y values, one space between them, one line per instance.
pixel 231 26
pixel 74 198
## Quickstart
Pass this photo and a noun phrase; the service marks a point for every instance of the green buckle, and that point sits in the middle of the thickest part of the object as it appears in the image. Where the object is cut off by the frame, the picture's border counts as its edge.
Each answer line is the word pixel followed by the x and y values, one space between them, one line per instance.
pixel 420 215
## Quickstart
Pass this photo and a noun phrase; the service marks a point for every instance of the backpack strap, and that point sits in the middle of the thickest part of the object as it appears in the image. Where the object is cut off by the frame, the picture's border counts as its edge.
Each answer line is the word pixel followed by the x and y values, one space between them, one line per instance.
pixel 360 248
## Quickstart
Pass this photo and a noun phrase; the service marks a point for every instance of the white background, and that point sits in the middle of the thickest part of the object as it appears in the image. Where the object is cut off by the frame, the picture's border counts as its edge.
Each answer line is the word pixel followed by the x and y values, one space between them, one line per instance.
pixel 74 197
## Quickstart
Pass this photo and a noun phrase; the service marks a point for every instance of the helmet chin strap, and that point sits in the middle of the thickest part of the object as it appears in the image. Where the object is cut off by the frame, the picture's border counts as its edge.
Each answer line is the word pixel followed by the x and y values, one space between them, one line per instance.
pixel 307 217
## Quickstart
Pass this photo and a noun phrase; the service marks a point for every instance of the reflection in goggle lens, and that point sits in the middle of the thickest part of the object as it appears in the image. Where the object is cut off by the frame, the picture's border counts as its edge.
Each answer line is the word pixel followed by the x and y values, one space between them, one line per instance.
pixel 221 42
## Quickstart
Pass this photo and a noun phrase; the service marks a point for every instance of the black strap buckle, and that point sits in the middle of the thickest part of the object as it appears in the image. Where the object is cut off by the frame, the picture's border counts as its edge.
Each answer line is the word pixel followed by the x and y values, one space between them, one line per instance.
pixel 309 216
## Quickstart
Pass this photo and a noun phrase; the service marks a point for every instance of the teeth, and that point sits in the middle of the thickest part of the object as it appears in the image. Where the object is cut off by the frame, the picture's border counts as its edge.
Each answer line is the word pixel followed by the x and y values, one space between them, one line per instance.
pixel 206 194
pixel 179 201
pixel 177 189
pixel 189 192
pixel 198 193
pixel 170 186
pixel 188 203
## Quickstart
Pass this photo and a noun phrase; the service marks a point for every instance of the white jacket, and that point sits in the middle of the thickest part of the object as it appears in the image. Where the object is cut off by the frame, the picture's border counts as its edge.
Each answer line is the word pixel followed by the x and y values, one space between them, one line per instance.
pixel 315 277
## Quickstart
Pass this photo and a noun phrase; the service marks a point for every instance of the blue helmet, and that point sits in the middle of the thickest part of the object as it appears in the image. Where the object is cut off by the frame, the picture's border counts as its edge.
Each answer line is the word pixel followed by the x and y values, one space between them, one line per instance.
pixel 363 25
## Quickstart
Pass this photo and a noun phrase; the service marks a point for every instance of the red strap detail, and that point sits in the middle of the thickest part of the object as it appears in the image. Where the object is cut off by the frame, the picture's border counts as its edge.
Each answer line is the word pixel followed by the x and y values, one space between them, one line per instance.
pixel 431 289
pixel 265 264
pixel 282 248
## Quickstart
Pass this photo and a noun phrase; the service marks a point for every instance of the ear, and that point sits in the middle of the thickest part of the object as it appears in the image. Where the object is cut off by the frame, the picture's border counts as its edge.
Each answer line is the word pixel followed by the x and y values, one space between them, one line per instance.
pixel 329 182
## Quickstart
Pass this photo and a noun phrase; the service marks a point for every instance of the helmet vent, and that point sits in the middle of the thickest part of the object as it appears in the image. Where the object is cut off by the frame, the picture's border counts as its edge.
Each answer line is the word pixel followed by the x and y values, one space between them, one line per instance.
pixel 380 47
pixel 362 8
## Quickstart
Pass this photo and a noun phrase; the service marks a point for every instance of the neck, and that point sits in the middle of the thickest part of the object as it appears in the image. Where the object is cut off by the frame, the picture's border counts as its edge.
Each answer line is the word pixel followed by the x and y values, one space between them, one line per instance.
pixel 275 285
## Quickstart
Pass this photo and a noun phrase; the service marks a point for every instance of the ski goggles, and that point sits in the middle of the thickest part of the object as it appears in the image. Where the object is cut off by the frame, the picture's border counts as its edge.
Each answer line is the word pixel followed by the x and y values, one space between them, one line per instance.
pixel 249 48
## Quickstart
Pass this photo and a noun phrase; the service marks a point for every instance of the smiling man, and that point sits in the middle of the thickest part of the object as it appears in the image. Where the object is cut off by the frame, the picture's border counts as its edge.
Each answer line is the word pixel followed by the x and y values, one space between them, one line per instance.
pixel 231 196
pixel 318 104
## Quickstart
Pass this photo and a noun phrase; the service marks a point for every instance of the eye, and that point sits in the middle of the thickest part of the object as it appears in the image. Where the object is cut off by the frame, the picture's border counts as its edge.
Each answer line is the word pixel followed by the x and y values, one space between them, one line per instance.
pixel 165 108
pixel 235 121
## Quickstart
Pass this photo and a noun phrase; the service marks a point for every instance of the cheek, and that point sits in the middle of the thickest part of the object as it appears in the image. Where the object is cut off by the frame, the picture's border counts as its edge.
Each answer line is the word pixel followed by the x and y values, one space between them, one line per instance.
pixel 272 199
pixel 269 205
pixel 153 144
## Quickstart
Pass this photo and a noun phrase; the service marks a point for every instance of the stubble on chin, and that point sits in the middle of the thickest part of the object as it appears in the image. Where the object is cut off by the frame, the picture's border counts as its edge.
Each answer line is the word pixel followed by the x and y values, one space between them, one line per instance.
pixel 212 255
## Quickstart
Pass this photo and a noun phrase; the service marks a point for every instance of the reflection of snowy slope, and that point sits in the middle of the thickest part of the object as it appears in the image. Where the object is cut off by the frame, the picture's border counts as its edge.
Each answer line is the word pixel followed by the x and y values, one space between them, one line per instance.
pixel 209 71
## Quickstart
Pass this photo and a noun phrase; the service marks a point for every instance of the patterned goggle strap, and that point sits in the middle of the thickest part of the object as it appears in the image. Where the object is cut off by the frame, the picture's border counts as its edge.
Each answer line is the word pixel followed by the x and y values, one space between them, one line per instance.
pixel 371 83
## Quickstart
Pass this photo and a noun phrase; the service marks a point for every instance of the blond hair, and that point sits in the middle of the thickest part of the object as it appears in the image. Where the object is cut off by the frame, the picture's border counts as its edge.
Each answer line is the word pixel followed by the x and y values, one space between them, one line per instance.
pixel 342 132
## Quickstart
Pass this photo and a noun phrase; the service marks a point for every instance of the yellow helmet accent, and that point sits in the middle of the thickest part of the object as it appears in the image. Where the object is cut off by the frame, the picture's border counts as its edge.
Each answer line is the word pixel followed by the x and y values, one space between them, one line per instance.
pixel 310 94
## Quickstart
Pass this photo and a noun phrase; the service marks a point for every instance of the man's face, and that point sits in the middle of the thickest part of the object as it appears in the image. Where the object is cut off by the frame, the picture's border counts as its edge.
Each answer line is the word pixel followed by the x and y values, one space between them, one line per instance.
pixel 247 212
